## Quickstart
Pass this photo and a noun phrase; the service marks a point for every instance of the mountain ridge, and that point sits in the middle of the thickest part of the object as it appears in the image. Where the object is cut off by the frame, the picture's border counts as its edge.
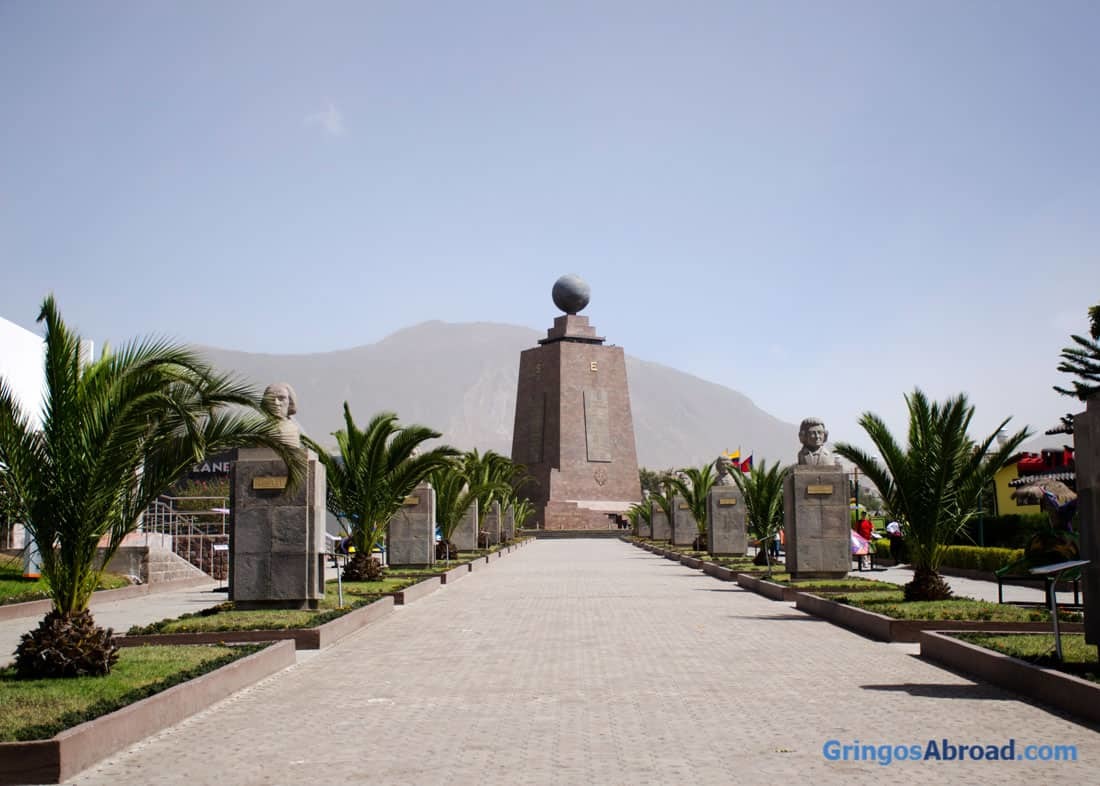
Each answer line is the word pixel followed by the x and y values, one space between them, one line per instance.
pixel 459 378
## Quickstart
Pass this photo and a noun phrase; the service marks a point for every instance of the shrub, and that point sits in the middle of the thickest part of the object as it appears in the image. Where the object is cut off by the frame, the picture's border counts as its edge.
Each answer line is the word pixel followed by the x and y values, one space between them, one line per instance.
pixel 978 558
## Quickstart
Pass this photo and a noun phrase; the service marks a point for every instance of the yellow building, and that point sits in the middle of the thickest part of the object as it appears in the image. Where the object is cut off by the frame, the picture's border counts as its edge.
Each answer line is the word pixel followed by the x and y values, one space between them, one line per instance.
pixel 1003 502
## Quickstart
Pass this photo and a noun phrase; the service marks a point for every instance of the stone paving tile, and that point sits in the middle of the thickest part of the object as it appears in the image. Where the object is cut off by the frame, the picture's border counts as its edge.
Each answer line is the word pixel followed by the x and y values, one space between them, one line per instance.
pixel 592 662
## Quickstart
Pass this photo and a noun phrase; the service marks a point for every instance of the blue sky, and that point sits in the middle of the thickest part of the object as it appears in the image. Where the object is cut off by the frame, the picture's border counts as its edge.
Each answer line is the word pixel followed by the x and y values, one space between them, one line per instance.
pixel 821 205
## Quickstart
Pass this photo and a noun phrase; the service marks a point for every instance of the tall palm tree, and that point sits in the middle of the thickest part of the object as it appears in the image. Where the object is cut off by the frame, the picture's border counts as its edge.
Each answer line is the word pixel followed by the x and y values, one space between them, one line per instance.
pixel 454 496
pixel 694 491
pixel 377 467
pixel 493 475
pixel 116 432
pixel 1083 360
pixel 762 489
pixel 933 486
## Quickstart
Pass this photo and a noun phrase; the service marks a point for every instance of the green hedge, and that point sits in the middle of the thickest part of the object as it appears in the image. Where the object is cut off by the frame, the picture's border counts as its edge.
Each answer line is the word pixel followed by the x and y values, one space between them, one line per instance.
pixel 977 558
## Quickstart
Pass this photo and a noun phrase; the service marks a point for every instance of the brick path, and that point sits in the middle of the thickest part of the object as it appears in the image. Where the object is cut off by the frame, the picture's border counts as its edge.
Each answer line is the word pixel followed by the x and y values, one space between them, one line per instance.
pixel 593 662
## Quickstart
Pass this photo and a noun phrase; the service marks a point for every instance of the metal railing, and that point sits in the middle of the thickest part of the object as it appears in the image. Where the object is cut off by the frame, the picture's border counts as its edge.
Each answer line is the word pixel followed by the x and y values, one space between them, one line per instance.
pixel 194 525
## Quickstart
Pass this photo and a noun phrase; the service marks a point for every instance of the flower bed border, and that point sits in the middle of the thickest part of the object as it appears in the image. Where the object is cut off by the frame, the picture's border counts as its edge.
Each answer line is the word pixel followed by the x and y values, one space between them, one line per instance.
pixel 1065 692
pixel 68 752
pixel 323 635
pixel 867 623
pixel 883 628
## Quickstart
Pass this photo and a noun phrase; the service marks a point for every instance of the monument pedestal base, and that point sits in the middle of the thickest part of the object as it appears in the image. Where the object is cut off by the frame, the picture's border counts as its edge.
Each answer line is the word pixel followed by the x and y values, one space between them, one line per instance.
pixel 815 507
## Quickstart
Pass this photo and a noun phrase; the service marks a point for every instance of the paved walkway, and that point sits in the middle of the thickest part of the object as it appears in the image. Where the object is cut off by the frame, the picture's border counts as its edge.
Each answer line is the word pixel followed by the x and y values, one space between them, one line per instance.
pixel 593 662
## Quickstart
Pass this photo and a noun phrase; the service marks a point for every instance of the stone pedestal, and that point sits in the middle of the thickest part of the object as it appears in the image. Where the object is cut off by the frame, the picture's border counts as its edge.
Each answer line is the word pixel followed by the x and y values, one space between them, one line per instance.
pixel 508 529
pixel 683 527
pixel 726 522
pixel 410 535
pixel 645 528
pixel 277 539
pixel 465 534
pixel 490 523
pixel 573 430
pixel 661 528
pixel 1086 439
pixel 815 509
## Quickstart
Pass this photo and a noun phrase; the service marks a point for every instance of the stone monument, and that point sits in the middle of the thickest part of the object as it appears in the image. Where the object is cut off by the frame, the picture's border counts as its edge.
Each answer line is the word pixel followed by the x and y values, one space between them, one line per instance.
pixel 277 536
pixel 726 522
pixel 508 528
pixel 1086 438
pixel 490 524
pixel 573 427
pixel 813 435
pixel 410 535
pixel 723 472
pixel 815 509
pixel 684 530
pixel 464 537
pixel 660 527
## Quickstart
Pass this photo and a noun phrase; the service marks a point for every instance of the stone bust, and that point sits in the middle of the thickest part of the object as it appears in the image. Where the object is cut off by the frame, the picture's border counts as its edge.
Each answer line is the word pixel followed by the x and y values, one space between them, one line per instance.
pixel 280 402
pixel 813 435
pixel 723 472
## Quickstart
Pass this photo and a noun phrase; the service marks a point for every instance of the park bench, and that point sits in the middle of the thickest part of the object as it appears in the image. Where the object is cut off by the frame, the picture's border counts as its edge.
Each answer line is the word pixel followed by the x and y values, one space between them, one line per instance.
pixel 1019 571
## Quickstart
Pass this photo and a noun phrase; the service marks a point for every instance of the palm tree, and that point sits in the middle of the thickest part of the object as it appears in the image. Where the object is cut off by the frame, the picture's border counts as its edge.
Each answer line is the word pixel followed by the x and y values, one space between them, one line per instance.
pixel 933 486
pixel 694 491
pixel 454 496
pixel 493 475
pixel 522 509
pixel 1083 360
pixel 377 467
pixel 116 432
pixel 762 489
pixel 640 512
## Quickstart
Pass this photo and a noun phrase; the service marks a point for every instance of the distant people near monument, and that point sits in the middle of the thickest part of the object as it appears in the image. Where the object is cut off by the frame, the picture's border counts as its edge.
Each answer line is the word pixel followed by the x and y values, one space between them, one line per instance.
pixel 813 435
pixel 281 403
pixel 723 470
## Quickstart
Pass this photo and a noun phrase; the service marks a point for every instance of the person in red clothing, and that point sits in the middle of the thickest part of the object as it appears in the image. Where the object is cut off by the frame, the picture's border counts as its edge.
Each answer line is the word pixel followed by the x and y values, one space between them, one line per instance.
pixel 866 530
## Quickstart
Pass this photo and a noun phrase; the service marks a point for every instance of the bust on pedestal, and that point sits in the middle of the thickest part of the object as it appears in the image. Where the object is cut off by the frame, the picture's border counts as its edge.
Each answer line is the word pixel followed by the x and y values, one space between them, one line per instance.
pixel 815 509
pixel 277 538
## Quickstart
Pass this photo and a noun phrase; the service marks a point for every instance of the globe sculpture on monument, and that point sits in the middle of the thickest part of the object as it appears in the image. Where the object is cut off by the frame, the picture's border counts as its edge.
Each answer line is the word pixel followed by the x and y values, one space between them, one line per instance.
pixel 574 431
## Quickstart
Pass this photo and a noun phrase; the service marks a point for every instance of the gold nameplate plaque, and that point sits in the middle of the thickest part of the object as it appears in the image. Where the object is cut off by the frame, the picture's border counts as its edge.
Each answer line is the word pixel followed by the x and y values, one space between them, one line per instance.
pixel 410 502
pixel 684 506
pixel 269 482
pixel 725 503
pixel 823 490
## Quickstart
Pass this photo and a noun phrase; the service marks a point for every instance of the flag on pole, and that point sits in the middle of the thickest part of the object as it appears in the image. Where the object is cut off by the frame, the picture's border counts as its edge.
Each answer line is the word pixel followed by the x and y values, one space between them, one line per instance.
pixel 733 456
pixel 746 465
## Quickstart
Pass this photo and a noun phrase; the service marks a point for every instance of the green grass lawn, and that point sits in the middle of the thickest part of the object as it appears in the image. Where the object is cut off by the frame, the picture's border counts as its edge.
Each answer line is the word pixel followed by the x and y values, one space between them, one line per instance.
pixel 16 589
pixel 39 709
pixel 850 584
pixel 224 617
pixel 1080 657
pixel 893 604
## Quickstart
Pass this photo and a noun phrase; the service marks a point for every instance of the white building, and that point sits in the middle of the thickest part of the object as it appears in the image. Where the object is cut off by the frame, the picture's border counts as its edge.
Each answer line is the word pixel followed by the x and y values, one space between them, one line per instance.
pixel 22 356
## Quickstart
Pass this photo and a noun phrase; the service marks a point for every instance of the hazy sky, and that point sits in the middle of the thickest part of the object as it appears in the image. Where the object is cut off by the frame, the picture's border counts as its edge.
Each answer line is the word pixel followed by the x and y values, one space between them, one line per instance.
pixel 819 204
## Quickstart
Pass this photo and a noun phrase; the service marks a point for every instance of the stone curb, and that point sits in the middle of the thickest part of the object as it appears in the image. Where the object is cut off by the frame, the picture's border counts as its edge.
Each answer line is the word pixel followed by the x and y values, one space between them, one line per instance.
pixel 1065 692
pixel 59 758
pixel 417 591
pixel 35 608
